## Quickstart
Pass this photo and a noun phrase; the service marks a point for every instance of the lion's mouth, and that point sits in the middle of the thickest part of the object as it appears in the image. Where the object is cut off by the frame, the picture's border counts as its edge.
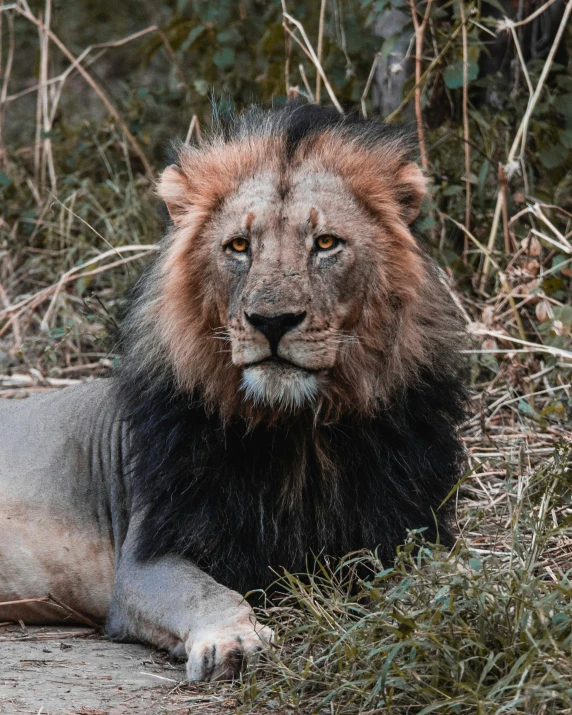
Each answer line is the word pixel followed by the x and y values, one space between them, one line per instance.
pixel 278 362
pixel 280 383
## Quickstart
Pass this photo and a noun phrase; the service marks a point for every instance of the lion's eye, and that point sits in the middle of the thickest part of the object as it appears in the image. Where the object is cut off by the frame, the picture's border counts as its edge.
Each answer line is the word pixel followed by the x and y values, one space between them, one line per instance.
pixel 326 242
pixel 239 244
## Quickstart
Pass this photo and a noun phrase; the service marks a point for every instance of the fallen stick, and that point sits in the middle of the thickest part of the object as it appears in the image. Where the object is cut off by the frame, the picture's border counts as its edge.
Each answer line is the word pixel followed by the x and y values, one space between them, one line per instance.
pixel 48 598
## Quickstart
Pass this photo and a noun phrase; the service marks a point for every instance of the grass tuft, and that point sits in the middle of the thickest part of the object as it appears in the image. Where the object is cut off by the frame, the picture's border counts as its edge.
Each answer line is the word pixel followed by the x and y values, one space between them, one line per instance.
pixel 461 631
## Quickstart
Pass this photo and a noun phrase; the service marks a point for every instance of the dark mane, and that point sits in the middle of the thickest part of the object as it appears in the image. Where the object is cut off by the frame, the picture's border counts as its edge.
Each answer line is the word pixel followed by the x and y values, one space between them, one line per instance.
pixel 297 121
pixel 240 502
pixel 241 498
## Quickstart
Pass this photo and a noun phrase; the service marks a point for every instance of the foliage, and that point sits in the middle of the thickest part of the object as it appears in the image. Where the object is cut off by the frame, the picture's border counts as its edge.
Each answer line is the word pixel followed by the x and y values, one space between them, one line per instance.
pixel 486 628
pixel 70 148
pixel 471 631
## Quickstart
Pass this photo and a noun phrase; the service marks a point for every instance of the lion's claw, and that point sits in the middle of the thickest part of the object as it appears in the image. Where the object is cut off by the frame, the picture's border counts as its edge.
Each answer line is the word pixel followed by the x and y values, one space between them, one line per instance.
pixel 223 654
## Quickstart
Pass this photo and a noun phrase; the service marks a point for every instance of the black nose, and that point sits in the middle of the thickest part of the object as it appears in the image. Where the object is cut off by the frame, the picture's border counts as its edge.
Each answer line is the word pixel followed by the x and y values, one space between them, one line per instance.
pixel 275 326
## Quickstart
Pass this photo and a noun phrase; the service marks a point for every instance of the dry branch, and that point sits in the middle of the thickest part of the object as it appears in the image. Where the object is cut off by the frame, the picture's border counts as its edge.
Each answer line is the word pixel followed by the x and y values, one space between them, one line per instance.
pixel 520 137
pixel 466 134
pixel 92 83
pixel 419 37
pixel 313 57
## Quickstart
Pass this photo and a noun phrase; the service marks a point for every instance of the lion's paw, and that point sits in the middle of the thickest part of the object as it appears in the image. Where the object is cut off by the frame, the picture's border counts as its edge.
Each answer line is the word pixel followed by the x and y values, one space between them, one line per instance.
pixel 222 654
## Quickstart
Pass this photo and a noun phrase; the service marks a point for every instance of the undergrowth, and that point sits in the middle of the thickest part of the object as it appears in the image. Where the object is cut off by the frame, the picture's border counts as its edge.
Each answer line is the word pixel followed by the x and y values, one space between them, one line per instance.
pixel 450 631
pixel 86 117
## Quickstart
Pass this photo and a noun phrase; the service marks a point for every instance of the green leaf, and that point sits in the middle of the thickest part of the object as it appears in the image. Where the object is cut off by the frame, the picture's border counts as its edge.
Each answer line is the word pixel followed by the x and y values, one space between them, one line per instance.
pixel 552 284
pixel 552 157
pixel 4 179
pixel 566 138
pixel 229 37
pixel 224 58
pixel 556 261
pixel 526 409
pixel 556 410
pixel 201 86
pixel 563 105
pixel 563 313
pixel 194 34
pixel 453 74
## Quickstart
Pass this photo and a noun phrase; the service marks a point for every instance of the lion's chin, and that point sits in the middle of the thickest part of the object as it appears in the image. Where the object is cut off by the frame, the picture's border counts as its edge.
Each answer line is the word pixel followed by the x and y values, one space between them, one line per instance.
pixel 279 385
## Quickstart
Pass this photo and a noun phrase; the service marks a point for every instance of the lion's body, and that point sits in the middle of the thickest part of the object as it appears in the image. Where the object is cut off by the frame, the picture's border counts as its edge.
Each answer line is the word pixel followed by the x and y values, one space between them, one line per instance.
pixel 60 482
pixel 290 386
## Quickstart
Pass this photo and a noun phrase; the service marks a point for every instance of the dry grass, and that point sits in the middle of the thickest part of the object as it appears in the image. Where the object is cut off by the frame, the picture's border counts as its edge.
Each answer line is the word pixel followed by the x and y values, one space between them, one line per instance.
pixel 485 628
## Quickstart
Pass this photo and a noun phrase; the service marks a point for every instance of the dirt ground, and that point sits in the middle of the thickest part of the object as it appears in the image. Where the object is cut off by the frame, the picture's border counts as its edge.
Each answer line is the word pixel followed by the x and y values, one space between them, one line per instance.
pixel 74 671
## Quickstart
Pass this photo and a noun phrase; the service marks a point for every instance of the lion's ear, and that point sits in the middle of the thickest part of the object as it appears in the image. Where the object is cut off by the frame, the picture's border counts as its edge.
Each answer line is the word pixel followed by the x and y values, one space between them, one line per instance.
pixel 174 190
pixel 411 187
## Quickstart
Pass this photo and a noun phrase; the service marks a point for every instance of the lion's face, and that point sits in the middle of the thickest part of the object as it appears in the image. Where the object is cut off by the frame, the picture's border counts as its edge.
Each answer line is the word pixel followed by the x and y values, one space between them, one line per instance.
pixel 291 280
pixel 291 277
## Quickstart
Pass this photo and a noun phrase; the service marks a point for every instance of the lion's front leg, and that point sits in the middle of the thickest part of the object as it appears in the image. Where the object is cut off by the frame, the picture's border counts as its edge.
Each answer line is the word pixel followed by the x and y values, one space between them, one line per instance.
pixel 225 638
pixel 171 603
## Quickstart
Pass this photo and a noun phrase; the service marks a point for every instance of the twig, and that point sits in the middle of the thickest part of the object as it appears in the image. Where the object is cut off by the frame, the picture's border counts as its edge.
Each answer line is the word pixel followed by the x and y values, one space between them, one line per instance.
pixel 538 347
pixel 557 244
pixel 287 58
pixel 73 612
pixel 41 599
pixel 508 243
pixel 160 677
pixel 320 47
pixel 171 52
pixel 514 309
pixel 306 83
pixel 31 381
pixel 506 23
pixel 477 243
pixel 194 127
pixel 368 83
pixel 419 37
pixel 46 154
pixel 13 321
pixel 71 275
pixel 315 60
pixel 433 64
pixel 5 80
pixel 536 210
pixel 521 60
pixel 45 293
pixel 523 130
pixel 83 56
pixel 37 145
pixel 96 88
pixel 85 223
pixel 48 598
pixel 466 134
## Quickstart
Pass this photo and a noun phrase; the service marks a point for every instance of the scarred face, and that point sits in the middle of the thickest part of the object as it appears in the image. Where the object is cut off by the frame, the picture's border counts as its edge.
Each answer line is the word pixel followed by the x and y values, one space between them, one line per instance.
pixel 292 279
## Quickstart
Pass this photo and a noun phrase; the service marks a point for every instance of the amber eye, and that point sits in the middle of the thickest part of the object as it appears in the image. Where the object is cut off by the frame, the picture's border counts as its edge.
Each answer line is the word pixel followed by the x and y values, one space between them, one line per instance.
pixel 325 242
pixel 239 244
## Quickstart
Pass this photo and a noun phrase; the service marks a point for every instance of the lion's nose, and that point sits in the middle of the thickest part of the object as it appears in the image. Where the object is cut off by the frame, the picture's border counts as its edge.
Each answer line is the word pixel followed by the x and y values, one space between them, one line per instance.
pixel 273 327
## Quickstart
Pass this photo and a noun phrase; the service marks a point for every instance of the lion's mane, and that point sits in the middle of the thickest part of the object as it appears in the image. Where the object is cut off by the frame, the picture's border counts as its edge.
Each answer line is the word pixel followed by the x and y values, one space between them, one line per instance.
pixel 239 490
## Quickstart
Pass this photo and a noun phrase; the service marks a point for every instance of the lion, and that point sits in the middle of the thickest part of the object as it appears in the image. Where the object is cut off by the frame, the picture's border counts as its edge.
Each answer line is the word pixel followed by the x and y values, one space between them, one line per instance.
pixel 291 385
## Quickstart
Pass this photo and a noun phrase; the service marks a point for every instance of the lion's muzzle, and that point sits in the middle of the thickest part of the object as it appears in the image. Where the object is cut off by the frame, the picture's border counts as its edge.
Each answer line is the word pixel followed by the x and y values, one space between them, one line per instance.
pixel 274 327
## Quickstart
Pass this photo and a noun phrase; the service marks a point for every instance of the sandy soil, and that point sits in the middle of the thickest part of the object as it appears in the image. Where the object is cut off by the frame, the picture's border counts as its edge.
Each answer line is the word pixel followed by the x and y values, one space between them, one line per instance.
pixel 72 671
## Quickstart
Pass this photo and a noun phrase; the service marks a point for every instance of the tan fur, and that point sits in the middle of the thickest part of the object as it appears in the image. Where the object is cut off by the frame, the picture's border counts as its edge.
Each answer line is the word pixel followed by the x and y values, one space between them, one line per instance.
pixel 377 344
pixel 40 552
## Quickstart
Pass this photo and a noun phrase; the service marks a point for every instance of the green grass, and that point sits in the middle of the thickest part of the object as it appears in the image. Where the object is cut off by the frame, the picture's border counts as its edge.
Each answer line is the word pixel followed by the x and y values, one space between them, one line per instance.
pixel 461 631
